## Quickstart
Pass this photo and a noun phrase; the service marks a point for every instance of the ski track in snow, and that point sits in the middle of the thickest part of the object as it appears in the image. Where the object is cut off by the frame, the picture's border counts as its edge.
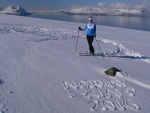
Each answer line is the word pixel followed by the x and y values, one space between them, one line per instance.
pixel 123 52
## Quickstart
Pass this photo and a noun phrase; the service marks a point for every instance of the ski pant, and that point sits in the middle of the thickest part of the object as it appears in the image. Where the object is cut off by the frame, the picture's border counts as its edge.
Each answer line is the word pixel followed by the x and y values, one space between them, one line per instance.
pixel 90 41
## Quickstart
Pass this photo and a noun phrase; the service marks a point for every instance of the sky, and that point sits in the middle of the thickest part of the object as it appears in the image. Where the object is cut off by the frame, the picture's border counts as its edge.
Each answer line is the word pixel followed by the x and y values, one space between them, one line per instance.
pixel 57 4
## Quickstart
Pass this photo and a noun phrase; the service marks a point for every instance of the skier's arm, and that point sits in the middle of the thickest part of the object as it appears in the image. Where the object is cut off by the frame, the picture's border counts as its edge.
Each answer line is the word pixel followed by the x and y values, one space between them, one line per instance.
pixel 84 28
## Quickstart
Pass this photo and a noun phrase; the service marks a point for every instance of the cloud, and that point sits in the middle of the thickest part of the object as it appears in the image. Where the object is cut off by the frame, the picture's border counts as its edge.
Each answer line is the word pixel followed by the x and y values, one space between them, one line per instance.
pixel 145 5
pixel 119 5
pixel 102 4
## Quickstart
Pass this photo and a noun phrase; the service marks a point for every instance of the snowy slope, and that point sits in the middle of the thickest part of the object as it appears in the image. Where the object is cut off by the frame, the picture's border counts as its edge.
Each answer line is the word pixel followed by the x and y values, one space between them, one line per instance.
pixel 41 73
pixel 14 10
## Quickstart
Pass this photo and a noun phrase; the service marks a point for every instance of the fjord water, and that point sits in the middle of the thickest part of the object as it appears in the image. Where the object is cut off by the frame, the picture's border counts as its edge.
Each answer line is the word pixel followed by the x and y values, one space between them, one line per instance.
pixel 129 22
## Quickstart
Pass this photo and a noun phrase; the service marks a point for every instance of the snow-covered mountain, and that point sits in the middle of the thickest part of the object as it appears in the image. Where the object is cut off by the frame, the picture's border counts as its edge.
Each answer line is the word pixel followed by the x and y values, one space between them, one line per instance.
pixel 132 12
pixel 14 10
pixel 105 11
pixel 40 72
pixel 115 8
pixel 86 11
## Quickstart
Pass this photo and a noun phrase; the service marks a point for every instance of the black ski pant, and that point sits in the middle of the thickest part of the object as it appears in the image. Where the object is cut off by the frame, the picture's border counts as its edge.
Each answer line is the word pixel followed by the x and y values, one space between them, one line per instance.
pixel 90 41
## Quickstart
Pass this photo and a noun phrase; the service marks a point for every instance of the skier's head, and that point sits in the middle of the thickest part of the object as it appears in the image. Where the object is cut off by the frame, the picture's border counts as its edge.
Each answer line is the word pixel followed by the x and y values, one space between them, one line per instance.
pixel 90 19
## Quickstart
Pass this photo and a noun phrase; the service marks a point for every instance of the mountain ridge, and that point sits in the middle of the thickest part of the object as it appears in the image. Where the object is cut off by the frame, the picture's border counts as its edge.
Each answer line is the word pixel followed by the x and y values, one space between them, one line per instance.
pixel 14 10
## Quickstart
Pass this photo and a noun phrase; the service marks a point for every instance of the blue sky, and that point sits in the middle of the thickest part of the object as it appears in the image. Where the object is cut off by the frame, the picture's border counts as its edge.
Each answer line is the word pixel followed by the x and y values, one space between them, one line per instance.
pixel 57 4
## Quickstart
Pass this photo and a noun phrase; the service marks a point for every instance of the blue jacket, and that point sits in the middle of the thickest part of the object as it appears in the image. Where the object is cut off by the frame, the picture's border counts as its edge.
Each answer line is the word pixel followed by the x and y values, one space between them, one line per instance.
pixel 91 29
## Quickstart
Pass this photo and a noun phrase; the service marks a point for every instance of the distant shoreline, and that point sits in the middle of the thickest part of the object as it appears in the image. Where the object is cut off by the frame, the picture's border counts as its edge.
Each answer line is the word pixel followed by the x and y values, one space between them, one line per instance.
pixel 85 13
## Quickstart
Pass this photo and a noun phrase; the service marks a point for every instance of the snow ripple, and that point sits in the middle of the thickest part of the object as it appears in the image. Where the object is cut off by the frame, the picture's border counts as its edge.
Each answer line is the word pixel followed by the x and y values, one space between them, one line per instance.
pixel 49 33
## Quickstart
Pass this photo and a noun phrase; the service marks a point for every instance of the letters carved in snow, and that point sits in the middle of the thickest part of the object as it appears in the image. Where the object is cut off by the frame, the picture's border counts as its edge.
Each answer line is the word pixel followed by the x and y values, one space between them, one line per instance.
pixel 103 95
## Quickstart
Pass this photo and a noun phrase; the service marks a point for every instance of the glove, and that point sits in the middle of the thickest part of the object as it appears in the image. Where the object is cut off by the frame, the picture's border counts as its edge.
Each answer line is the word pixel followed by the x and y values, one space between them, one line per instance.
pixel 79 28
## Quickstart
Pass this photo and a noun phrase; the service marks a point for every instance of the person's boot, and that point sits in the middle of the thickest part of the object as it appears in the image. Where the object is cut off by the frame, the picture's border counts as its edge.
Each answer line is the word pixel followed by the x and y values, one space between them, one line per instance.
pixel 91 53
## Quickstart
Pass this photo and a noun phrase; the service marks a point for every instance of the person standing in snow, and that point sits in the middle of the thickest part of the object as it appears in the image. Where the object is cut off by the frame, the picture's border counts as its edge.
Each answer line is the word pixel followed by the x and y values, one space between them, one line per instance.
pixel 90 34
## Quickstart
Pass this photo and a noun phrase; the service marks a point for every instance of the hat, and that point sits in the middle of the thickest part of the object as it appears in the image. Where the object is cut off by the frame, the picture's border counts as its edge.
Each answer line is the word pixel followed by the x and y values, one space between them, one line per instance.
pixel 90 18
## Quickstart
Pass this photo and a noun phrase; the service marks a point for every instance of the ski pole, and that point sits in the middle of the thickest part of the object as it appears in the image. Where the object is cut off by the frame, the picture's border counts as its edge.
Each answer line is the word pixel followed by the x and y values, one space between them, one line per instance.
pixel 99 47
pixel 77 41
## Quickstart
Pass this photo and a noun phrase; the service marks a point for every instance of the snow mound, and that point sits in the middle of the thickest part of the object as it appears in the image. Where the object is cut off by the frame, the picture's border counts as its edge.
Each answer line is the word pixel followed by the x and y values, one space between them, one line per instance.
pixel 14 10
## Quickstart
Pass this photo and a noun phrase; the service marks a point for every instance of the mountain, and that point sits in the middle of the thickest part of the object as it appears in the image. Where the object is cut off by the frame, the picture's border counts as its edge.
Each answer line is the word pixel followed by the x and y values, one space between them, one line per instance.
pixel 130 12
pixel 14 10
pixel 102 11
pixel 40 72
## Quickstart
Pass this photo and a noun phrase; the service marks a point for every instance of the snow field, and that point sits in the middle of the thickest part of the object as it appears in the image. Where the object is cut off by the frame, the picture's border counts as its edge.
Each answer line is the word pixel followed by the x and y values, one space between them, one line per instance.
pixel 41 73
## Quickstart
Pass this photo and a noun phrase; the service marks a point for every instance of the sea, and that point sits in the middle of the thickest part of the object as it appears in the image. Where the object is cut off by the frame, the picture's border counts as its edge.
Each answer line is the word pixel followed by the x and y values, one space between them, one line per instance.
pixel 129 22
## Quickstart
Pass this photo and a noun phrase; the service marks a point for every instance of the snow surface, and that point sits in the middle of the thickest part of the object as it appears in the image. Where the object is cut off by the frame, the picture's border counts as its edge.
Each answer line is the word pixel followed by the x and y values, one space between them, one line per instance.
pixel 41 73
pixel 14 10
